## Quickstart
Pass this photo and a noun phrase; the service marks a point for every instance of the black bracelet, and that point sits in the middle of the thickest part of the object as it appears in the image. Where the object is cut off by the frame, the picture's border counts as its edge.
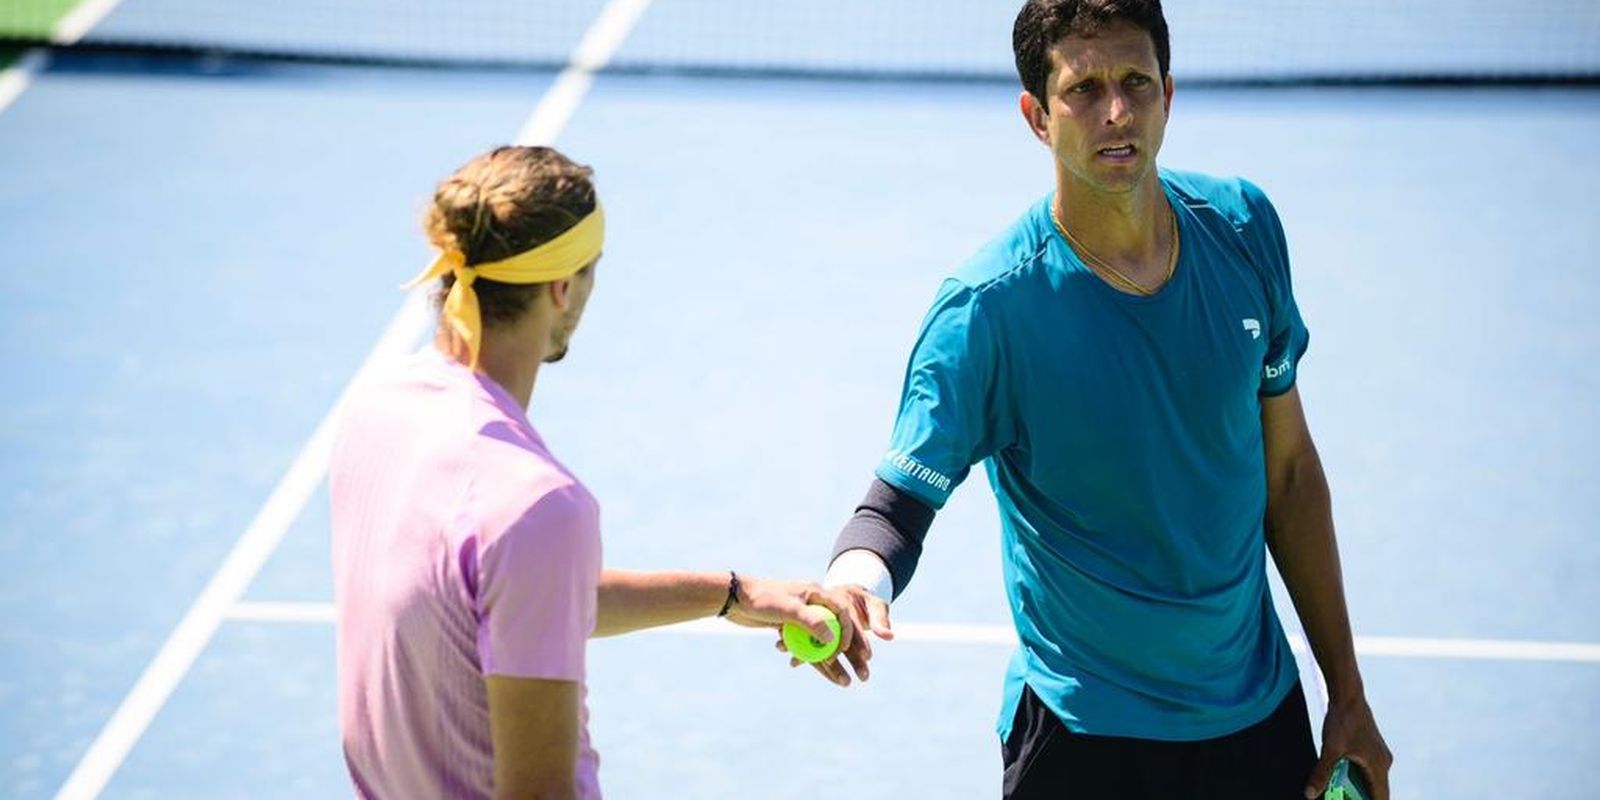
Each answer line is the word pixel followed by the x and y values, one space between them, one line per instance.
pixel 733 594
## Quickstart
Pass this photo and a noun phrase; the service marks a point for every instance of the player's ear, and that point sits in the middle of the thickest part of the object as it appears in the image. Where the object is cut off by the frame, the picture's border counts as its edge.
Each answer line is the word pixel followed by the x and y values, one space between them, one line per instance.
pixel 1036 115
pixel 560 293
pixel 1166 100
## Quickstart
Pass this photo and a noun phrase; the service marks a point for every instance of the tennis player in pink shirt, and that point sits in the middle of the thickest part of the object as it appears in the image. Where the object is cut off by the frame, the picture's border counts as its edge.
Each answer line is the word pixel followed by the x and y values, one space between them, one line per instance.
pixel 467 559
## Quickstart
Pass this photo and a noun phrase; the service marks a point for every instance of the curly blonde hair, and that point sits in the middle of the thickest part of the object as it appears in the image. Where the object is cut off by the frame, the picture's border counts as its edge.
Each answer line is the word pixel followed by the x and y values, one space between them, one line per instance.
pixel 504 202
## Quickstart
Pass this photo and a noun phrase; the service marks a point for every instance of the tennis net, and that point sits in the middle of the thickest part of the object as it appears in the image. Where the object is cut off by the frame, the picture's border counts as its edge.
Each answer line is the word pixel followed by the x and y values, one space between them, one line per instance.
pixel 1221 41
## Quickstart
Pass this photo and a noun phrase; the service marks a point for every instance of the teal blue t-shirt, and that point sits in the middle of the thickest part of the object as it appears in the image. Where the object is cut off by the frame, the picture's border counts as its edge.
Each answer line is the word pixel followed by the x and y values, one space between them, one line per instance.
pixel 1122 437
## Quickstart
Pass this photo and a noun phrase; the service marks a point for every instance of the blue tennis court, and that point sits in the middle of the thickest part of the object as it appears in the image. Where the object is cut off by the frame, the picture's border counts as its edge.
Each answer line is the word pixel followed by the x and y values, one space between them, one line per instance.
pixel 202 250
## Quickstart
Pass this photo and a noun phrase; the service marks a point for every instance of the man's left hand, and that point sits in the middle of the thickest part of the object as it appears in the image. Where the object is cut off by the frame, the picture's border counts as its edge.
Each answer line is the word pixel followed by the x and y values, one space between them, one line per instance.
pixel 1349 731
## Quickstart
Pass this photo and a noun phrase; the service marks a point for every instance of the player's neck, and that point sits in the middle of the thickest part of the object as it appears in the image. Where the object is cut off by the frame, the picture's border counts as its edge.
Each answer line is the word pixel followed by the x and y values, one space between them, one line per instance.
pixel 506 359
pixel 1124 228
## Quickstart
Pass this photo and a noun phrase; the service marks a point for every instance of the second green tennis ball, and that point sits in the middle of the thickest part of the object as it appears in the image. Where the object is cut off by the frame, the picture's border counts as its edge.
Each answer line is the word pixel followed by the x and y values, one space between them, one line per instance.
pixel 804 646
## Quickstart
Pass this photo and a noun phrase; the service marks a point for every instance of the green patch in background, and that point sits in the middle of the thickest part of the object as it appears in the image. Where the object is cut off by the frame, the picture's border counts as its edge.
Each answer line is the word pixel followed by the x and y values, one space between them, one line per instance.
pixel 31 19
pixel 24 20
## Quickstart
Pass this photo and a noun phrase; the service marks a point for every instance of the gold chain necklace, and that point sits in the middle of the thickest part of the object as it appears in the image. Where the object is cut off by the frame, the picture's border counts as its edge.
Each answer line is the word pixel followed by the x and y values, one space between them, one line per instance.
pixel 1115 274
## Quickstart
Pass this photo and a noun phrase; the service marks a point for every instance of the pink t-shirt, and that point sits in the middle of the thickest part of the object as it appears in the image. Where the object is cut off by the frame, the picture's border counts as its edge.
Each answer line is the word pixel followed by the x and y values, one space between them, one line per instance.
pixel 461 549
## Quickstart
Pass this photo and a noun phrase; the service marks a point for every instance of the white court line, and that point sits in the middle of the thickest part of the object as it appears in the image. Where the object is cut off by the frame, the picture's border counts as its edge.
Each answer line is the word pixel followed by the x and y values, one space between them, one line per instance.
pixel 16 77
pixel 289 498
pixel 67 31
pixel 249 553
pixel 1486 649
pixel 947 633
pixel 74 26
pixel 248 611
pixel 593 52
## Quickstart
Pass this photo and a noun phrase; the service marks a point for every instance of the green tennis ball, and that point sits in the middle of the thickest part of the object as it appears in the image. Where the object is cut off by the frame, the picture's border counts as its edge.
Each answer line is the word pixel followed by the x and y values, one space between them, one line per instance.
pixel 804 646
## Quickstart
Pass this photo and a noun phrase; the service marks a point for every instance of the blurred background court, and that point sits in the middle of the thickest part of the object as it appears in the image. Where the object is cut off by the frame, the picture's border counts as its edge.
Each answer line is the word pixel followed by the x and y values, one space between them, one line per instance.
pixel 206 208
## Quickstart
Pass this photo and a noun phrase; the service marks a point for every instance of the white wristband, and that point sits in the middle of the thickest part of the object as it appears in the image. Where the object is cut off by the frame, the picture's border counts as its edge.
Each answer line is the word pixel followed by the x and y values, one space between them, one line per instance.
pixel 863 568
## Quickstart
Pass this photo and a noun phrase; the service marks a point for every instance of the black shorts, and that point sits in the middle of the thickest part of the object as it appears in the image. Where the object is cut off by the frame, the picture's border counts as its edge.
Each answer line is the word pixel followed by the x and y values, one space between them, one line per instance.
pixel 1266 761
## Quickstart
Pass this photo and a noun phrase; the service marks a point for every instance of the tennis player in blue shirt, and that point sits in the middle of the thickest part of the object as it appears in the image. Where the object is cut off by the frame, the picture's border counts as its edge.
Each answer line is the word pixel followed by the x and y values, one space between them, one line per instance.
pixel 1122 361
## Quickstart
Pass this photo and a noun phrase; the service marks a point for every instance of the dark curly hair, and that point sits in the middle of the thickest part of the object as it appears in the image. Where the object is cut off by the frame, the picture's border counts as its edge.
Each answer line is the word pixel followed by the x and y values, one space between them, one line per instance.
pixel 1042 24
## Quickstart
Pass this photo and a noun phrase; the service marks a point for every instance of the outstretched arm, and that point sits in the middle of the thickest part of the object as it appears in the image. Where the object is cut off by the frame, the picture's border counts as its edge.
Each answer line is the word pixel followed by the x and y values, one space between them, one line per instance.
pixel 1300 536
pixel 873 559
pixel 631 601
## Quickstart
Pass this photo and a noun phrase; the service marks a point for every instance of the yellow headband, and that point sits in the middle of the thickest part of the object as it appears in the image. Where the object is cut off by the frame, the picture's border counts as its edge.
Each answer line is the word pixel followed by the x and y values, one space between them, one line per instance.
pixel 561 257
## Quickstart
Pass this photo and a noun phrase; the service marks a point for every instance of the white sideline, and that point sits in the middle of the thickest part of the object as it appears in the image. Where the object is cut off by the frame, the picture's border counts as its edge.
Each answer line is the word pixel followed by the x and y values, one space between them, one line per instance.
pixel 67 31
pixel 75 25
pixel 955 633
pixel 595 50
pixel 249 553
pixel 15 78
pixel 220 597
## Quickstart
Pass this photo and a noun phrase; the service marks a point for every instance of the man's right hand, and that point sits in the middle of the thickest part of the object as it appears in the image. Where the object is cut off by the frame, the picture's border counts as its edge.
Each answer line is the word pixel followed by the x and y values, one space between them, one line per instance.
pixel 867 612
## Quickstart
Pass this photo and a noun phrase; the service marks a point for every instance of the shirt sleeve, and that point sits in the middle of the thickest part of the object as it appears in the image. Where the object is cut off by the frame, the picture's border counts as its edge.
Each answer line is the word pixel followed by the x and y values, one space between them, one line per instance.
pixel 947 419
pixel 1288 335
pixel 538 585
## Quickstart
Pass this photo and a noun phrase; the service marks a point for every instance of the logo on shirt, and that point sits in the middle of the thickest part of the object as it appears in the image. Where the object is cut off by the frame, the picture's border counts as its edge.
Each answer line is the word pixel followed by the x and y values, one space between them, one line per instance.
pixel 1253 326
pixel 915 469
pixel 1278 370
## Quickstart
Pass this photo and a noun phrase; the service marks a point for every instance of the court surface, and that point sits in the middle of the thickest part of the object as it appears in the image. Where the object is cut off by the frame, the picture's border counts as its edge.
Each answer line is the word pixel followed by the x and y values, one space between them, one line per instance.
pixel 199 255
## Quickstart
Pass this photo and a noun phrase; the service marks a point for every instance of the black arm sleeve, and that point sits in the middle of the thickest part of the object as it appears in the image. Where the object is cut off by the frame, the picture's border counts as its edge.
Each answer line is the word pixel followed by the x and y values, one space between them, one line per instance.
pixel 892 524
